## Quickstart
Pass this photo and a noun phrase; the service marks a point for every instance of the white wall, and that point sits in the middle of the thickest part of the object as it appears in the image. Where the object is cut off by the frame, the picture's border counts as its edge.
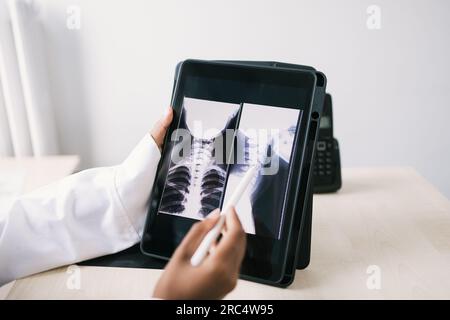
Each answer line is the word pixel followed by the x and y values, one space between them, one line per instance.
pixel 391 91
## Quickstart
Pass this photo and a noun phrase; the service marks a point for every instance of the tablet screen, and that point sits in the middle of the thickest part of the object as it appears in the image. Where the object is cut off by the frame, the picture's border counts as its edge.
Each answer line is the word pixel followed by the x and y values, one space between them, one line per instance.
pixel 215 144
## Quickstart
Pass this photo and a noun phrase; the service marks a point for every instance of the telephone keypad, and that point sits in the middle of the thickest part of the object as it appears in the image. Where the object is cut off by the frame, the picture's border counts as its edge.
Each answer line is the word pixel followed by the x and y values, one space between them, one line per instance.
pixel 323 164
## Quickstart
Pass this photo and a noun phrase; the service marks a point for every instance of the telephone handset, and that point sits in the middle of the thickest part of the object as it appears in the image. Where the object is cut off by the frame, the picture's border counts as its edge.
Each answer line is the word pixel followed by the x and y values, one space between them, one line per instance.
pixel 327 163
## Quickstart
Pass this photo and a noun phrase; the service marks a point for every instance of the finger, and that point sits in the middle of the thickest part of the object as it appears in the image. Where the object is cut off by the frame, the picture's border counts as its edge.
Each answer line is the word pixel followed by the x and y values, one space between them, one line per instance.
pixel 193 238
pixel 213 214
pixel 160 128
pixel 213 246
pixel 233 241
pixel 232 222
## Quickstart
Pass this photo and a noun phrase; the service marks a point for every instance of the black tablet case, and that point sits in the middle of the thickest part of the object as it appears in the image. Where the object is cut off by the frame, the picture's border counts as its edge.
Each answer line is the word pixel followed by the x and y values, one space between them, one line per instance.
pixel 133 258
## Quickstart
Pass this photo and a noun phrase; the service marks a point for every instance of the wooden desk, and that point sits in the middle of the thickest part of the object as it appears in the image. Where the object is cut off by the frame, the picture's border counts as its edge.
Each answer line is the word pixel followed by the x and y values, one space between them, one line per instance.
pixel 388 217
pixel 37 172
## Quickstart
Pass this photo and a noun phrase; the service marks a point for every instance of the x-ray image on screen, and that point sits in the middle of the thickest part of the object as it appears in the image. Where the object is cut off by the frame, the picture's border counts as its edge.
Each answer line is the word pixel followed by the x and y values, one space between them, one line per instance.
pixel 260 207
pixel 194 186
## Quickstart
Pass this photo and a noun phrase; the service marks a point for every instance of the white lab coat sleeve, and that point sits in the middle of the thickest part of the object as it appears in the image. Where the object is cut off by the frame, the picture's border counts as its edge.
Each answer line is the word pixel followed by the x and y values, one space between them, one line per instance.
pixel 88 214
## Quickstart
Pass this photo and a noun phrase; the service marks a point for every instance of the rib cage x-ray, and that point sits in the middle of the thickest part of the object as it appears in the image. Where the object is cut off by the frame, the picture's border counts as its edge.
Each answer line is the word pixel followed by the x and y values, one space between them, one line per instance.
pixel 194 185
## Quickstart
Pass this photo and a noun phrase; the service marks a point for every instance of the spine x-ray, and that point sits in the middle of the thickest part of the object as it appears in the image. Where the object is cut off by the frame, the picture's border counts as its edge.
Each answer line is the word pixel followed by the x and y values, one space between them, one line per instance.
pixel 216 144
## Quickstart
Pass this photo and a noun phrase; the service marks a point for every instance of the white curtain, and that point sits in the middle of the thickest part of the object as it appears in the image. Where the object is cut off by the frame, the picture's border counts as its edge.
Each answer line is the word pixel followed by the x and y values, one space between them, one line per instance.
pixel 27 123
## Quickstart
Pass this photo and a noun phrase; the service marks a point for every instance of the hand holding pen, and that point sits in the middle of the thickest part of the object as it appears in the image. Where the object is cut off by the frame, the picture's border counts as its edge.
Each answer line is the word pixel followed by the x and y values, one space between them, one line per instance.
pixel 202 261
pixel 218 272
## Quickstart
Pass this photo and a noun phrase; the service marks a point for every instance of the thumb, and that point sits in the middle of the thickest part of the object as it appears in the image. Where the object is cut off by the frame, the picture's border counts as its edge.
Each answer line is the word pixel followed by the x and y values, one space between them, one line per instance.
pixel 160 128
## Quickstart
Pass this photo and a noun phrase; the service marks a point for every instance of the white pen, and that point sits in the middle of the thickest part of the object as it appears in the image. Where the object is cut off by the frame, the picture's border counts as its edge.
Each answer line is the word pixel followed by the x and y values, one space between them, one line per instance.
pixel 212 235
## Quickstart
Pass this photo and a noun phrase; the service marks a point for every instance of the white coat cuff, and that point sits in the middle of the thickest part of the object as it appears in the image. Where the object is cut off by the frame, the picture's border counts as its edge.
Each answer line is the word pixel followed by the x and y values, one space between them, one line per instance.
pixel 135 178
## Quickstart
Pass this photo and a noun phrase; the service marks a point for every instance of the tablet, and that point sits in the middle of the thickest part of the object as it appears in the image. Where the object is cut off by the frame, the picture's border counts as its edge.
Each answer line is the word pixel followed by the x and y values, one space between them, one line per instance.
pixel 226 118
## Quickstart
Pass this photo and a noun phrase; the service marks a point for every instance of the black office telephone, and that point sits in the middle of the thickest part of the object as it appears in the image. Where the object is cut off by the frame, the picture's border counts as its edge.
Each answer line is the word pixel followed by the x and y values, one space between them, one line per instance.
pixel 327 163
